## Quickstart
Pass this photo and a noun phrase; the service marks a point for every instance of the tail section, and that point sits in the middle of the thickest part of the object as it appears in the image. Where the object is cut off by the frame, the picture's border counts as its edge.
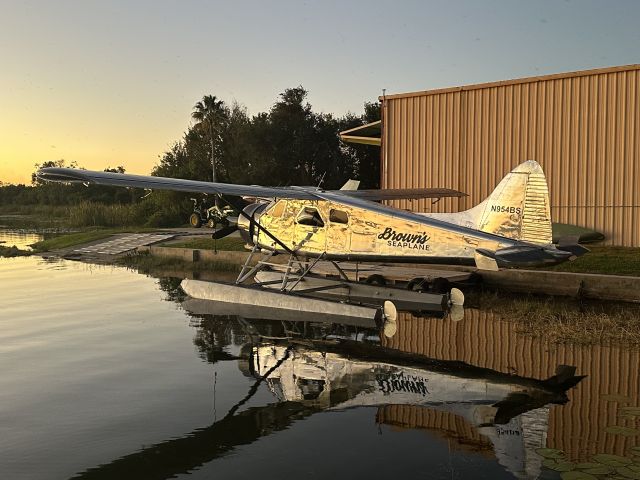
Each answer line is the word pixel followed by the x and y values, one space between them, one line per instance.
pixel 518 208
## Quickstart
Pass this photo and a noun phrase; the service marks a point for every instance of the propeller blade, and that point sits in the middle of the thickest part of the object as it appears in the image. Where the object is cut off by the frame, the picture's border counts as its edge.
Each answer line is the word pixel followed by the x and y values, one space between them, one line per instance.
pixel 223 232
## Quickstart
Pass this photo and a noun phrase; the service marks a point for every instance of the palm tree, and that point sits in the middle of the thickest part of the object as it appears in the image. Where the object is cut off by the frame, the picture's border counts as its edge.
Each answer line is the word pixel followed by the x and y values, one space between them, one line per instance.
pixel 208 113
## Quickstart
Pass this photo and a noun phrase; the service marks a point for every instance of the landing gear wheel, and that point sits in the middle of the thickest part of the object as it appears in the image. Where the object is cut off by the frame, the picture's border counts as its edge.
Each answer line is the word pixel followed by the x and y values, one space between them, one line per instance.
pixel 440 285
pixel 211 223
pixel 376 280
pixel 417 285
pixel 195 221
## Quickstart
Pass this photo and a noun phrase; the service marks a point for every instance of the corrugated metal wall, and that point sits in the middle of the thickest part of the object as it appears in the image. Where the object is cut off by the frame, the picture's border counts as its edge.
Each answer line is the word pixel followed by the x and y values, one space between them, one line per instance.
pixel 583 127
pixel 484 340
pixel 445 424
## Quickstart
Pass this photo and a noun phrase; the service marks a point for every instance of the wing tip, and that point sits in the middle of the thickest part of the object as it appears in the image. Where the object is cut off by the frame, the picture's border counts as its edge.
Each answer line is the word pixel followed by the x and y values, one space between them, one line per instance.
pixel 64 175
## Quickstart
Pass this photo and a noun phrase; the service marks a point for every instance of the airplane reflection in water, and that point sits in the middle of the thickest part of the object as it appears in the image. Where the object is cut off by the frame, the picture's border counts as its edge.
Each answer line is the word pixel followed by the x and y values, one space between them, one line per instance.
pixel 312 367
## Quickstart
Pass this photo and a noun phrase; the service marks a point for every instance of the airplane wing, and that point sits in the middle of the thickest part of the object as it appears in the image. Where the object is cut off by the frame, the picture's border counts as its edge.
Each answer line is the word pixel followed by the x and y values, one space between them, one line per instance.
pixel 401 193
pixel 75 175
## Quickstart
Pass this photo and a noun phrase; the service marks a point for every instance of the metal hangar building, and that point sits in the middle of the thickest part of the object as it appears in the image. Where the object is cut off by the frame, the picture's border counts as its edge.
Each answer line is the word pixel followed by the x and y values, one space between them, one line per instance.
pixel 582 127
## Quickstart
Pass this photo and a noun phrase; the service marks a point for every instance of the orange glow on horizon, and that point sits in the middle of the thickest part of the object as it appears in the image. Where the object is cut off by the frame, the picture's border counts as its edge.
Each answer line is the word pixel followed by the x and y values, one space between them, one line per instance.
pixel 113 140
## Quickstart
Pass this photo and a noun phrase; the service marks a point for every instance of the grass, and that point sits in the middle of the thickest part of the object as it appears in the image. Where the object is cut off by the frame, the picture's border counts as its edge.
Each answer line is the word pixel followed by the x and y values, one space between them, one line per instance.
pixel 91 214
pixel 149 263
pixel 563 320
pixel 13 251
pixel 605 260
pixel 229 244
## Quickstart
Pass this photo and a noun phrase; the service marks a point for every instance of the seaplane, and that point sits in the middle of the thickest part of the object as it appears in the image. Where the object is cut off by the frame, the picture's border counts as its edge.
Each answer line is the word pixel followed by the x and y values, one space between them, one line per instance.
pixel 510 228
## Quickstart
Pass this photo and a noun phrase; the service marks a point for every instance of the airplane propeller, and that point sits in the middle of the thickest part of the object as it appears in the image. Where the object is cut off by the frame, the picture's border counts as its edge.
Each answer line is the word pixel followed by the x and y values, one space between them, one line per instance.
pixel 223 232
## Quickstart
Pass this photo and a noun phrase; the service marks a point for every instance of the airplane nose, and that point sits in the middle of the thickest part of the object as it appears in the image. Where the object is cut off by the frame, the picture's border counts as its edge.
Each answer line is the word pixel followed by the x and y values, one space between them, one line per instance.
pixel 247 221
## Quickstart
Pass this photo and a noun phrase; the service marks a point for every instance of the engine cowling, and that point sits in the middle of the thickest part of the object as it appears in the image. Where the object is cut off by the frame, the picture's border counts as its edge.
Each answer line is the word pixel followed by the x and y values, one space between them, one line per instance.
pixel 247 221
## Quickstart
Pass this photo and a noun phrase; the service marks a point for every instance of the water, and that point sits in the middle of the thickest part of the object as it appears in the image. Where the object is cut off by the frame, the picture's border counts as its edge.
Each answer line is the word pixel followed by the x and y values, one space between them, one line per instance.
pixel 106 374
pixel 23 239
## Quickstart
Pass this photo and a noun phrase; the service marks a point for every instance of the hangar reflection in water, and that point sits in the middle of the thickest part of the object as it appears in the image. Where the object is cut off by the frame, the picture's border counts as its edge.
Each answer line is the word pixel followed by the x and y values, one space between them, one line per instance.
pixel 311 367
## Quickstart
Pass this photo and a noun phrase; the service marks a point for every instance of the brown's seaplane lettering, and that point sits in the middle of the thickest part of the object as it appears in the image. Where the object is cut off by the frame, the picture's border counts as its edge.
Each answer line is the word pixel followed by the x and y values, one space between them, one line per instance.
pixel 405 240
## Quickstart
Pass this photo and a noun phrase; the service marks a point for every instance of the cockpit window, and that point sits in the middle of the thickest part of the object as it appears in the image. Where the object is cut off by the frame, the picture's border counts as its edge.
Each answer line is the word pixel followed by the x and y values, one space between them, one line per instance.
pixel 310 388
pixel 338 216
pixel 311 217
pixel 278 209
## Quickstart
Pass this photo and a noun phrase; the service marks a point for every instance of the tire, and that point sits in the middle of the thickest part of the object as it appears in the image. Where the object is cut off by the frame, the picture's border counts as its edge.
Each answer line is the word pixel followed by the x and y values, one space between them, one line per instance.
pixel 440 285
pixel 195 221
pixel 211 223
pixel 418 285
pixel 376 280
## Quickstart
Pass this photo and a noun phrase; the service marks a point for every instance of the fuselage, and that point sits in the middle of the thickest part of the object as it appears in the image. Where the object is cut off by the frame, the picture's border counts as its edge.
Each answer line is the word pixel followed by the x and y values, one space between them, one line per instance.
pixel 356 230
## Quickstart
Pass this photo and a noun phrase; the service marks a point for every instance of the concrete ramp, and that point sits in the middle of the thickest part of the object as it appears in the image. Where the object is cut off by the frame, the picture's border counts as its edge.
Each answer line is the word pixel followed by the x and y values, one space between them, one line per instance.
pixel 124 243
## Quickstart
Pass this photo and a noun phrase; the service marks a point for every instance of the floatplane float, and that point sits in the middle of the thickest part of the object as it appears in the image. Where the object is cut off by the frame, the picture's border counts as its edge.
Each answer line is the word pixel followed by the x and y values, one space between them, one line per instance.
pixel 512 227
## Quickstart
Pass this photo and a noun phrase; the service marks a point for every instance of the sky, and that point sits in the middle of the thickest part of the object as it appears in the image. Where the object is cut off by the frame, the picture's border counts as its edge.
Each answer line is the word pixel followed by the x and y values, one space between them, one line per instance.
pixel 114 82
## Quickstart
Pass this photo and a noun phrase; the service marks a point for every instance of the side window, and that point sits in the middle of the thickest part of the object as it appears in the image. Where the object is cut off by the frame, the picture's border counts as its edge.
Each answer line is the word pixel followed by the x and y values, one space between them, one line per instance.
pixel 338 216
pixel 311 217
pixel 277 210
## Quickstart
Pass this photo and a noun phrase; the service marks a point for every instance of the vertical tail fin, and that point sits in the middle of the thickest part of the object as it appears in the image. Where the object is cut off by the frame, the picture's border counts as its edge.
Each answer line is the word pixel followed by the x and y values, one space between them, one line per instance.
pixel 518 208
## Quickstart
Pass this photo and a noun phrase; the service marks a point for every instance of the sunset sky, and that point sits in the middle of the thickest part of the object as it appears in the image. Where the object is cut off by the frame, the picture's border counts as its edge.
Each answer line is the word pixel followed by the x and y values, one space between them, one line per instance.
pixel 113 82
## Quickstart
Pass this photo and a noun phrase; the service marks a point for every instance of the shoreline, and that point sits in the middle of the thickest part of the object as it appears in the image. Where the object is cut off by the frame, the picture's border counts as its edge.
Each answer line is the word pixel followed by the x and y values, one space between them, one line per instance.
pixel 229 256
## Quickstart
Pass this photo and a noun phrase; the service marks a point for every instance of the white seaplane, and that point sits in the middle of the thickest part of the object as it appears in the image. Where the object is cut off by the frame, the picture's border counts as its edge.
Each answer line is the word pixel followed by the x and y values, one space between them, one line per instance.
pixel 512 227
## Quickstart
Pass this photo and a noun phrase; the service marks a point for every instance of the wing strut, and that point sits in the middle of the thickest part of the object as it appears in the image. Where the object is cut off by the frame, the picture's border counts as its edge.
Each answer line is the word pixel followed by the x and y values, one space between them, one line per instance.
pixel 252 221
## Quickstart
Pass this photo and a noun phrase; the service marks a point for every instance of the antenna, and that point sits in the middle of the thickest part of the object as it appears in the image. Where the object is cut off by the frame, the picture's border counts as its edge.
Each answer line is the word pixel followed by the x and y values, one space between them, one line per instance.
pixel 321 179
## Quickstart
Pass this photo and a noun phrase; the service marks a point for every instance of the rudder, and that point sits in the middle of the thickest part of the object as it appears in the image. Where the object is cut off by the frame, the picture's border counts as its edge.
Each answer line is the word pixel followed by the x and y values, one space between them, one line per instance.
pixel 519 206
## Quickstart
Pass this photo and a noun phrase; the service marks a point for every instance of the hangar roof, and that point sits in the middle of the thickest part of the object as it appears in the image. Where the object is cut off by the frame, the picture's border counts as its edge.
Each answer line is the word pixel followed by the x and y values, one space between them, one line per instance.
pixel 368 134
pixel 517 81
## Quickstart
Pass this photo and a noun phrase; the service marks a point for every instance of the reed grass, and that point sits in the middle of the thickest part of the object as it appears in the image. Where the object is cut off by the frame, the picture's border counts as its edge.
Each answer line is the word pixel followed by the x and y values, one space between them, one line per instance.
pixel 93 214
pixel 564 320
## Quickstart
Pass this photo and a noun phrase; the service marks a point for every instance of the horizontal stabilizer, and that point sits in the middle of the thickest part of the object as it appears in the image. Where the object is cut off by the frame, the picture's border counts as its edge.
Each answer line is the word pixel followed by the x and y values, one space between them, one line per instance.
pixel 575 249
pixel 526 255
pixel 485 260
pixel 564 378
pixel 403 193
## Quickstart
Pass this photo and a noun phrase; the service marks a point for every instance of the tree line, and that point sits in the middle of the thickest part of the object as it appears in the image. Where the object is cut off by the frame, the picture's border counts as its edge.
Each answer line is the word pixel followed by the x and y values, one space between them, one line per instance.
pixel 288 145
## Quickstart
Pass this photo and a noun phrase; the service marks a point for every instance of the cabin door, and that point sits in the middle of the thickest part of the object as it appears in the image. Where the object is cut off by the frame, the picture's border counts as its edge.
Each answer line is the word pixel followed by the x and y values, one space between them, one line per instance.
pixel 338 232
pixel 310 232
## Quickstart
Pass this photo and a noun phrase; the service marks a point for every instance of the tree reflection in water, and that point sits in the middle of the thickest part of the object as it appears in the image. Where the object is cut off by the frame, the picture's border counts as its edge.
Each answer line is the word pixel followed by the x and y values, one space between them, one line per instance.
pixel 312 367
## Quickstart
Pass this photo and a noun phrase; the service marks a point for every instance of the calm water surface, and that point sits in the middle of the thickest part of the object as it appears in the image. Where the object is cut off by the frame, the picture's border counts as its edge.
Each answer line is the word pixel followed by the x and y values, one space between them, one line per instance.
pixel 20 238
pixel 107 373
